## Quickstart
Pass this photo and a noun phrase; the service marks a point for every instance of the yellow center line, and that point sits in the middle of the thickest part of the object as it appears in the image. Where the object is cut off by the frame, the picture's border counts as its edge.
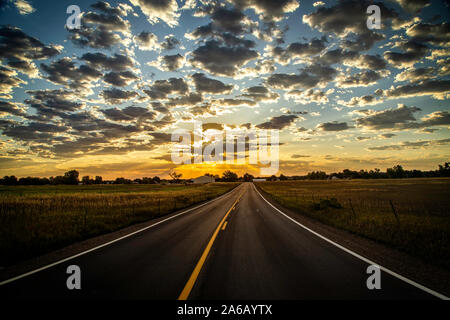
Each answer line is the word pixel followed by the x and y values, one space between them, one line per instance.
pixel 224 225
pixel 190 283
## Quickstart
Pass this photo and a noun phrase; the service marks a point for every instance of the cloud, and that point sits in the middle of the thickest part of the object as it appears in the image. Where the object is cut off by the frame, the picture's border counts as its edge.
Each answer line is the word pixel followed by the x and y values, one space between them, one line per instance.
pixel 147 41
pixel 160 89
pixel 298 50
pixel 24 7
pixel 309 77
pixel 129 114
pixel 437 34
pixel 8 81
pixel 413 6
pixel 411 145
pixel 19 50
pixel 361 79
pixel 159 10
pixel 221 60
pixel 438 89
pixel 260 93
pixel 170 42
pixel 416 75
pixel 208 85
pixel 8 108
pixel 333 126
pixel 268 10
pixel 397 118
pixel 120 79
pixel 413 53
pixel 117 96
pixel 308 96
pixel 279 122
pixel 117 62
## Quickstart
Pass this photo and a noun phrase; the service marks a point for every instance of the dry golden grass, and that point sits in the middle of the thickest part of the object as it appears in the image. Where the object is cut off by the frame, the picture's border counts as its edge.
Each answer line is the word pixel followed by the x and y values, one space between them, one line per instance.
pixel 411 215
pixel 37 219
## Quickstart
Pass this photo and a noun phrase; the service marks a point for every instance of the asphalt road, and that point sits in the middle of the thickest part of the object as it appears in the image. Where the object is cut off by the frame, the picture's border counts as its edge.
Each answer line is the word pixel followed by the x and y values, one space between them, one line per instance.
pixel 226 249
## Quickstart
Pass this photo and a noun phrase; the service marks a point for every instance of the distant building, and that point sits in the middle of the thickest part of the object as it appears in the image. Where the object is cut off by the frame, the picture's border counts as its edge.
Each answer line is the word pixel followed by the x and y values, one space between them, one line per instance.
pixel 203 179
pixel 259 179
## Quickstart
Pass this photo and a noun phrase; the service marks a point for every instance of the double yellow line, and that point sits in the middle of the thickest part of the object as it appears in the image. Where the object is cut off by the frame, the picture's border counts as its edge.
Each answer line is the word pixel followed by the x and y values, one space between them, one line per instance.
pixel 190 284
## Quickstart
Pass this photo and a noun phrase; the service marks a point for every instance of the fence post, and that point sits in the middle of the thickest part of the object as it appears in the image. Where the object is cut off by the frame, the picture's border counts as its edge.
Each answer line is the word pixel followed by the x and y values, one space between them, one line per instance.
pixel 395 212
pixel 351 206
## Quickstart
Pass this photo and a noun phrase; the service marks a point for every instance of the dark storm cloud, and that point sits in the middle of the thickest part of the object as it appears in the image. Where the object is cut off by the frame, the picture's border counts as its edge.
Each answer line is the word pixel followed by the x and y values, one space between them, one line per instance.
pixel 204 84
pixel 333 126
pixel 279 122
pixel 221 60
pixel 160 89
pixel 117 62
pixel 117 96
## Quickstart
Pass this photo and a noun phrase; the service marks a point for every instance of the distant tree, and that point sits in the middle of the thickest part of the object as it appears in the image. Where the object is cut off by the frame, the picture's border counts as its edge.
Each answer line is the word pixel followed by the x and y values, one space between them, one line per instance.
pixel 444 170
pixel 156 179
pixel 175 176
pixel 71 177
pixel 229 176
pixel 272 178
pixel 283 177
pixel 86 180
pixel 248 177
pixel 396 172
pixel 9 180
pixel 98 180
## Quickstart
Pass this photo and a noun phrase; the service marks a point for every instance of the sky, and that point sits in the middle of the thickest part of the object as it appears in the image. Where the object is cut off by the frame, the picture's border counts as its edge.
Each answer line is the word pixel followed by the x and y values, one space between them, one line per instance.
pixel 106 97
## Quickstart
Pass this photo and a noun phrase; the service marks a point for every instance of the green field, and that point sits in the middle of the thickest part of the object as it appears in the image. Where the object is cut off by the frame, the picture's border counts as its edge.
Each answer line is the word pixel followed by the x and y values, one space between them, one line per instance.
pixel 38 219
pixel 411 215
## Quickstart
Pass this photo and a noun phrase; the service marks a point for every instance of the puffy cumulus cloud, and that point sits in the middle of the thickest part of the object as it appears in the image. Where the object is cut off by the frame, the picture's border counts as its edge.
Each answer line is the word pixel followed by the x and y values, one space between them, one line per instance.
pixel 298 50
pixel 308 96
pixel 52 103
pixel 412 145
pixel 100 29
pixel 360 101
pixel 309 77
pixel 159 10
pixel 438 89
pixel 9 108
pixel 437 34
pixel 24 7
pixel 352 59
pixel 399 118
pixel 189 99
pixel 278 123
pixel 18 50
pixel 413 53
pixel 361 79
pixel 333 126
pixel 172 62
pixel 207 85
pixel 347 20
pixel 117 62
pixel 147 41
pixel 232 102
pixel 8 81
pixel 221 60
pixel 438 118
pixel 413 6
pixel 170 42
pixel 65 72
pixel 120 79
pixel 117 96
pixel 129 114
pixel 260 93
pixel 416 75
pixel 268 10
pixel 160 89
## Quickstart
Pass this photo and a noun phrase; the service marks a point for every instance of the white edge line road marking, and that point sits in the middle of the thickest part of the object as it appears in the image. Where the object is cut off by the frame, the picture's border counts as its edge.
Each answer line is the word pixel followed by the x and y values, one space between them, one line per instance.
pixel 110 242
pixel 392 273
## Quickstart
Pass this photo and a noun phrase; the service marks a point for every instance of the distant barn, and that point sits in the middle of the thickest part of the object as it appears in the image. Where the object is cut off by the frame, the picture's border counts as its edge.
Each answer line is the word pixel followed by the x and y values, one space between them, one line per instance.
pixel 203 179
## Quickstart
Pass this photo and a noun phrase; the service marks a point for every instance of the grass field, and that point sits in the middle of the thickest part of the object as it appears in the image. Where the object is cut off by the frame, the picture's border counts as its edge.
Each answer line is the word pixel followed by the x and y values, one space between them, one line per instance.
pixel 411 215
pixel 38 219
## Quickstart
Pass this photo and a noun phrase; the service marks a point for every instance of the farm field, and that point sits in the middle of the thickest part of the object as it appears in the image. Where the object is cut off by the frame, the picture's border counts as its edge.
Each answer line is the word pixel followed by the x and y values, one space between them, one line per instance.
pixel 411 215
pixel 38 219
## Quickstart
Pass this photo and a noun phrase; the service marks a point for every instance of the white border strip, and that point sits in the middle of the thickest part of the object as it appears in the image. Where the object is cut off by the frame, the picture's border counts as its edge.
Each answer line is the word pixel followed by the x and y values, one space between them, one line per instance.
pixel 392 273
pixel 110 242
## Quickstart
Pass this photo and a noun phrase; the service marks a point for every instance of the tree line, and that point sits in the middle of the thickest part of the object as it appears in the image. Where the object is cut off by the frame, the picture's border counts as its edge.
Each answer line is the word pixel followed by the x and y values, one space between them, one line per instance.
pixel 72 177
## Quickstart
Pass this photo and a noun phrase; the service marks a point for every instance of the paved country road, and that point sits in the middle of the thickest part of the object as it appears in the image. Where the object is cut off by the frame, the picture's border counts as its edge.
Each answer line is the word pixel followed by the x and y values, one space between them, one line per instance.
pixel 235 247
